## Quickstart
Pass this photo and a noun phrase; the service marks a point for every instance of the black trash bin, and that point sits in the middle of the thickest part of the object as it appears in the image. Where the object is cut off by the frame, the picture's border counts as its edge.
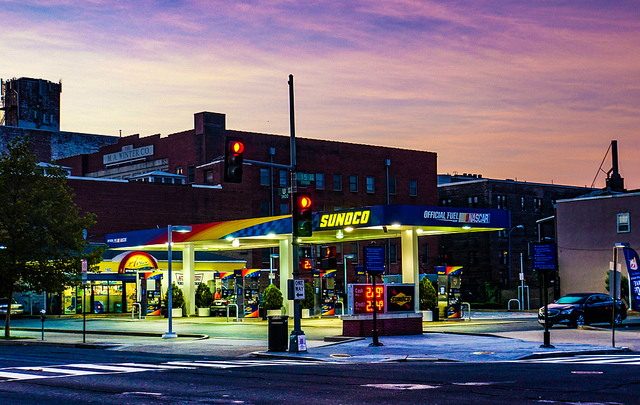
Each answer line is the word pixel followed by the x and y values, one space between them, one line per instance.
pixel 278 333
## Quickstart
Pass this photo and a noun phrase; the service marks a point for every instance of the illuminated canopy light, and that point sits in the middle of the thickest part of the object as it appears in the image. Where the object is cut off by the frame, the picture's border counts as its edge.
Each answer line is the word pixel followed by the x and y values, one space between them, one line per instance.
pixel 235 243
pixel 348 229
pixel 395 225
pixel 466 227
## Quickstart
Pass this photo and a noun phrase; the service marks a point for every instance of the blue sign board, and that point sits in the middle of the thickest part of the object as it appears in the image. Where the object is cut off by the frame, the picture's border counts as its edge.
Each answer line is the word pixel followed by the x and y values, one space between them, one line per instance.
pixel 544 256
pixel 374 259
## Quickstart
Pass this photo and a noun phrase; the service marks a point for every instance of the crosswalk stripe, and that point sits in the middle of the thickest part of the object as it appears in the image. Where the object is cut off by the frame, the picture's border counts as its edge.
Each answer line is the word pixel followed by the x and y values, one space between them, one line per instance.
pixel 20 376
pixel 154 366
pixel 595 359
pixel 106 367
pixel 57 370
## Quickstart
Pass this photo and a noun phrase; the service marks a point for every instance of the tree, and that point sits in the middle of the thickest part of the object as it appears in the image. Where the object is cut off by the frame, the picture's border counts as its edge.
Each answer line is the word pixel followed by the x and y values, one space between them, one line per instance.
pixel 428 295
pixel 41 230
pixel 203 296
pixel 272 297
pixel 309 297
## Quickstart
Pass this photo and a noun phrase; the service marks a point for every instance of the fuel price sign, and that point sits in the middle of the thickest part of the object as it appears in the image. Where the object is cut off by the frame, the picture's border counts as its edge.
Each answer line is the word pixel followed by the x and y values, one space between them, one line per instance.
pixel 363 295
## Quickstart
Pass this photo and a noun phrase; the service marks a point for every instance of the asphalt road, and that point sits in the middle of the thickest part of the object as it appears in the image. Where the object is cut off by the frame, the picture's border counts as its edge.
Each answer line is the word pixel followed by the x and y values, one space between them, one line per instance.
pixel 44 375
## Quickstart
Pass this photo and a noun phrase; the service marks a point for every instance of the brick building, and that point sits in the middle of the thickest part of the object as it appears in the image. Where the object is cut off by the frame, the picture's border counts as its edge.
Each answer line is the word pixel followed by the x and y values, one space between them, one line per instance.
pixel 147 182
pixel 495 257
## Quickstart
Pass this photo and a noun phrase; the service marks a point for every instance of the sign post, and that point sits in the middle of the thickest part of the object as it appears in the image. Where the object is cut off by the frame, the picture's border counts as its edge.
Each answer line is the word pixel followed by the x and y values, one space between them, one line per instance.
pixel 374 266
pixel 544 262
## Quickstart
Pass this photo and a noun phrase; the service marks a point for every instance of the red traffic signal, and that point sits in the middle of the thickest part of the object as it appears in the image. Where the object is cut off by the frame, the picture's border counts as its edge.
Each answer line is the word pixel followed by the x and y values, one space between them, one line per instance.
pixel 302 215
pixel 233 158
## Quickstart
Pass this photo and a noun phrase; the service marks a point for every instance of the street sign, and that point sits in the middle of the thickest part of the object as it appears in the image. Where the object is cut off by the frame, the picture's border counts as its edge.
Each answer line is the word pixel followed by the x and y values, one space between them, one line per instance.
pixel 374 262
pixel 284 192
pixel 85 267
pixel 298 289
pixel 305 179
pixel 544 256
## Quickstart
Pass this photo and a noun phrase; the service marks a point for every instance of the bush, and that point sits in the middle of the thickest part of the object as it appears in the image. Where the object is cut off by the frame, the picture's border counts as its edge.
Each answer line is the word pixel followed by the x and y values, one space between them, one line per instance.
pixel 428 295
pixel 177 296
pixel 203 296
pixel 272 297
pixel 309 301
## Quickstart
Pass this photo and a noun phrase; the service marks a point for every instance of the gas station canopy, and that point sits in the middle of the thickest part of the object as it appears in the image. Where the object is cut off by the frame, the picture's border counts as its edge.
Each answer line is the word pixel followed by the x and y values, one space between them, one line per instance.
pixel 366 223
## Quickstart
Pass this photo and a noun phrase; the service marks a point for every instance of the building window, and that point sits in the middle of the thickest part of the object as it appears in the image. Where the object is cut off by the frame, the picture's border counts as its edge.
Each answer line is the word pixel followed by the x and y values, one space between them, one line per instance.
pixel 392 186
pixel 179 170
pixel 208 176
pixel 623 223
pixel 502 202
pixel 504 256
pixel 472 202
pixel 178 181
pixel 537 204
pixel 191 174
pixel 284 178
pixel 522 203
pixel 284 208
pixel 337 182
pixel 413 188
pixel 265 177
pixel 473 257
pixel 264 209
pixel 393 253
pixel 353 183
pixel 319 181
pixel 446 203
pixel 371 184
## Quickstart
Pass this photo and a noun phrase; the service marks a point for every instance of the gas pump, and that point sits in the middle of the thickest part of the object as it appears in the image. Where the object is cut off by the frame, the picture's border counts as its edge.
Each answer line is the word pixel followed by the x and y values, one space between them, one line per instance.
pixel 449 280
pixel 150 292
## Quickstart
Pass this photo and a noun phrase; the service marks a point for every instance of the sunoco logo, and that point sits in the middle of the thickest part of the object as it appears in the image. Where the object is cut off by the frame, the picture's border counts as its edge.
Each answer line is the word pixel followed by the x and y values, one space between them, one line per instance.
pixel 400 299
pixel 344 219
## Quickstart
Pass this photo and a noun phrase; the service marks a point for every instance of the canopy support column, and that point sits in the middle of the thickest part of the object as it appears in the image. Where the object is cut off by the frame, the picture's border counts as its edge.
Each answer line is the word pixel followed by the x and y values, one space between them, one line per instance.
pixel 188 266
pixel 410 265
pixel 286 272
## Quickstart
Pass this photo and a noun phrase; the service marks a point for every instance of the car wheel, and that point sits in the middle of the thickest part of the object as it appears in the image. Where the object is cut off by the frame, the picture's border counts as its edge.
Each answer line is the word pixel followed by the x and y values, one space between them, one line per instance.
pixel 618 319
pixel 580 320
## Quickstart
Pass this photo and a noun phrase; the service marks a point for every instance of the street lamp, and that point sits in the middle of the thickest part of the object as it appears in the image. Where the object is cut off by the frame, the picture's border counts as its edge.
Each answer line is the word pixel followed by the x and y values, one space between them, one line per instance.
pixel 170 229
pixel 509 253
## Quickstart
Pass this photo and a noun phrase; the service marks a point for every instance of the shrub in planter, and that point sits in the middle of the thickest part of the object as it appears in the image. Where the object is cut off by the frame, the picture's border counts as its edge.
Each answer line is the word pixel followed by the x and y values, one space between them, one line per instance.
pixel 272 297
pixel 203 296
pixel 308 302
pixel 428 295
pixel 177 296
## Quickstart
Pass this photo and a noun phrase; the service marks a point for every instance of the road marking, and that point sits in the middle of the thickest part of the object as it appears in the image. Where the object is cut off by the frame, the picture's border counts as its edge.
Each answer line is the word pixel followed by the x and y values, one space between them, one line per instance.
pixel 404 387
pixel 596 359
pixel 238 363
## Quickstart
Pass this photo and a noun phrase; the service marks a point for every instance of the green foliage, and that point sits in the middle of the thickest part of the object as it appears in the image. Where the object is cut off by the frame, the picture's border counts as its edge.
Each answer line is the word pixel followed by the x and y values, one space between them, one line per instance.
pixel 491 292
pixel 624 287
pixel 272 297
pixel 41 228
pixel 203 296
pixel 428 295
pixel 177 296
pixel 308 302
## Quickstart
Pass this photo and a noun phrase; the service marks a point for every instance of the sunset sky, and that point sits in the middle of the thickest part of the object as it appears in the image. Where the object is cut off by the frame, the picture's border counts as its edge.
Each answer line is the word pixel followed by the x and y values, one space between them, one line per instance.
pixel 520 89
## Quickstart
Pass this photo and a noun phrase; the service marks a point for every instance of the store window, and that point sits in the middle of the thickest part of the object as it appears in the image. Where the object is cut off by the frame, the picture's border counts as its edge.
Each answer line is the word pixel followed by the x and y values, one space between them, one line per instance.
pixel 623 223
pixel 337 182
pixel 392 186
pixel 265 178
pixel 264 209
pixel 502 202
pixel 425 254
pixel 284 178
pixel 353 183
pixel 191 174
pixel 413 188
pixel 208 176
pixel 319 181
pixel 393 253
pixel 371 184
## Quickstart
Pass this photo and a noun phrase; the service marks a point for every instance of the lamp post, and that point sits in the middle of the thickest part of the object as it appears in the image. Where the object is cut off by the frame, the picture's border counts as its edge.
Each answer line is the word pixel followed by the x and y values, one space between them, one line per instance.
pixel 170 229
pixel 509 253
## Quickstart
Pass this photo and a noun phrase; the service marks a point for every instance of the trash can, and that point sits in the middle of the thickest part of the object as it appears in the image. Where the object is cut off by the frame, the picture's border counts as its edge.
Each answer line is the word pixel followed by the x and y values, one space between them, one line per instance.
pixel 278 333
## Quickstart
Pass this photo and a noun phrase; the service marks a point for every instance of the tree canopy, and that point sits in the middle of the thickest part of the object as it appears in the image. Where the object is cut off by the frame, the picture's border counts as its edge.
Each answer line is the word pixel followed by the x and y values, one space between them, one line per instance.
pixel 41 229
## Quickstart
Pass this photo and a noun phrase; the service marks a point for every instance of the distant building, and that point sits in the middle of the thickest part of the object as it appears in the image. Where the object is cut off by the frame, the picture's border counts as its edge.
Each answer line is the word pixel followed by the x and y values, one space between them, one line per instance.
pixel 496 258
pixel 31 107
pixel 588 228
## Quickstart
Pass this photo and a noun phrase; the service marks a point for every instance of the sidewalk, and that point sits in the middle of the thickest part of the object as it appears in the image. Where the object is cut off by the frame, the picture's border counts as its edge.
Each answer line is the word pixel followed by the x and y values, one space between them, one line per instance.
pixel 216 337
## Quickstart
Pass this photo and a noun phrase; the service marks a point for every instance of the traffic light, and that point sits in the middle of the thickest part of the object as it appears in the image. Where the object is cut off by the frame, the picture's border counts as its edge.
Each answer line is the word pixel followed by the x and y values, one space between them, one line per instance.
pixel 329 261
pixel 233 149
pixel 302 215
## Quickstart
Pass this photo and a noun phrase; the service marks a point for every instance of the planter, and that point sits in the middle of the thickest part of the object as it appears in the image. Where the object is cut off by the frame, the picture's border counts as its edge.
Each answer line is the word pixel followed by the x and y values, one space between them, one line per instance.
pixel 204 311
pixel 274 312
pixel 427 315
pixel 176 312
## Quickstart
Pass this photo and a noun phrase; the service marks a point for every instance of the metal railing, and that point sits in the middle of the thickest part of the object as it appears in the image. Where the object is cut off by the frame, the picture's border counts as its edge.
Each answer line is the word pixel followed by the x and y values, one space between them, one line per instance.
pixel 468 306
pixel 133 310
pixel 341 307
pixel 232 305
pixel 510 301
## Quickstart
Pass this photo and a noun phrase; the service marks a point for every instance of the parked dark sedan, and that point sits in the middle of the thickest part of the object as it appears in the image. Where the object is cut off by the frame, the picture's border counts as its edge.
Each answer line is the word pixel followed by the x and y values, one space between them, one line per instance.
pixel 583 309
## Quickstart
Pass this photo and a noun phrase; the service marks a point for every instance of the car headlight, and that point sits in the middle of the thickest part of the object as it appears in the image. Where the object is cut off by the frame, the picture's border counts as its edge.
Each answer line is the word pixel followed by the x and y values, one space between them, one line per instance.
pixel 566 311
